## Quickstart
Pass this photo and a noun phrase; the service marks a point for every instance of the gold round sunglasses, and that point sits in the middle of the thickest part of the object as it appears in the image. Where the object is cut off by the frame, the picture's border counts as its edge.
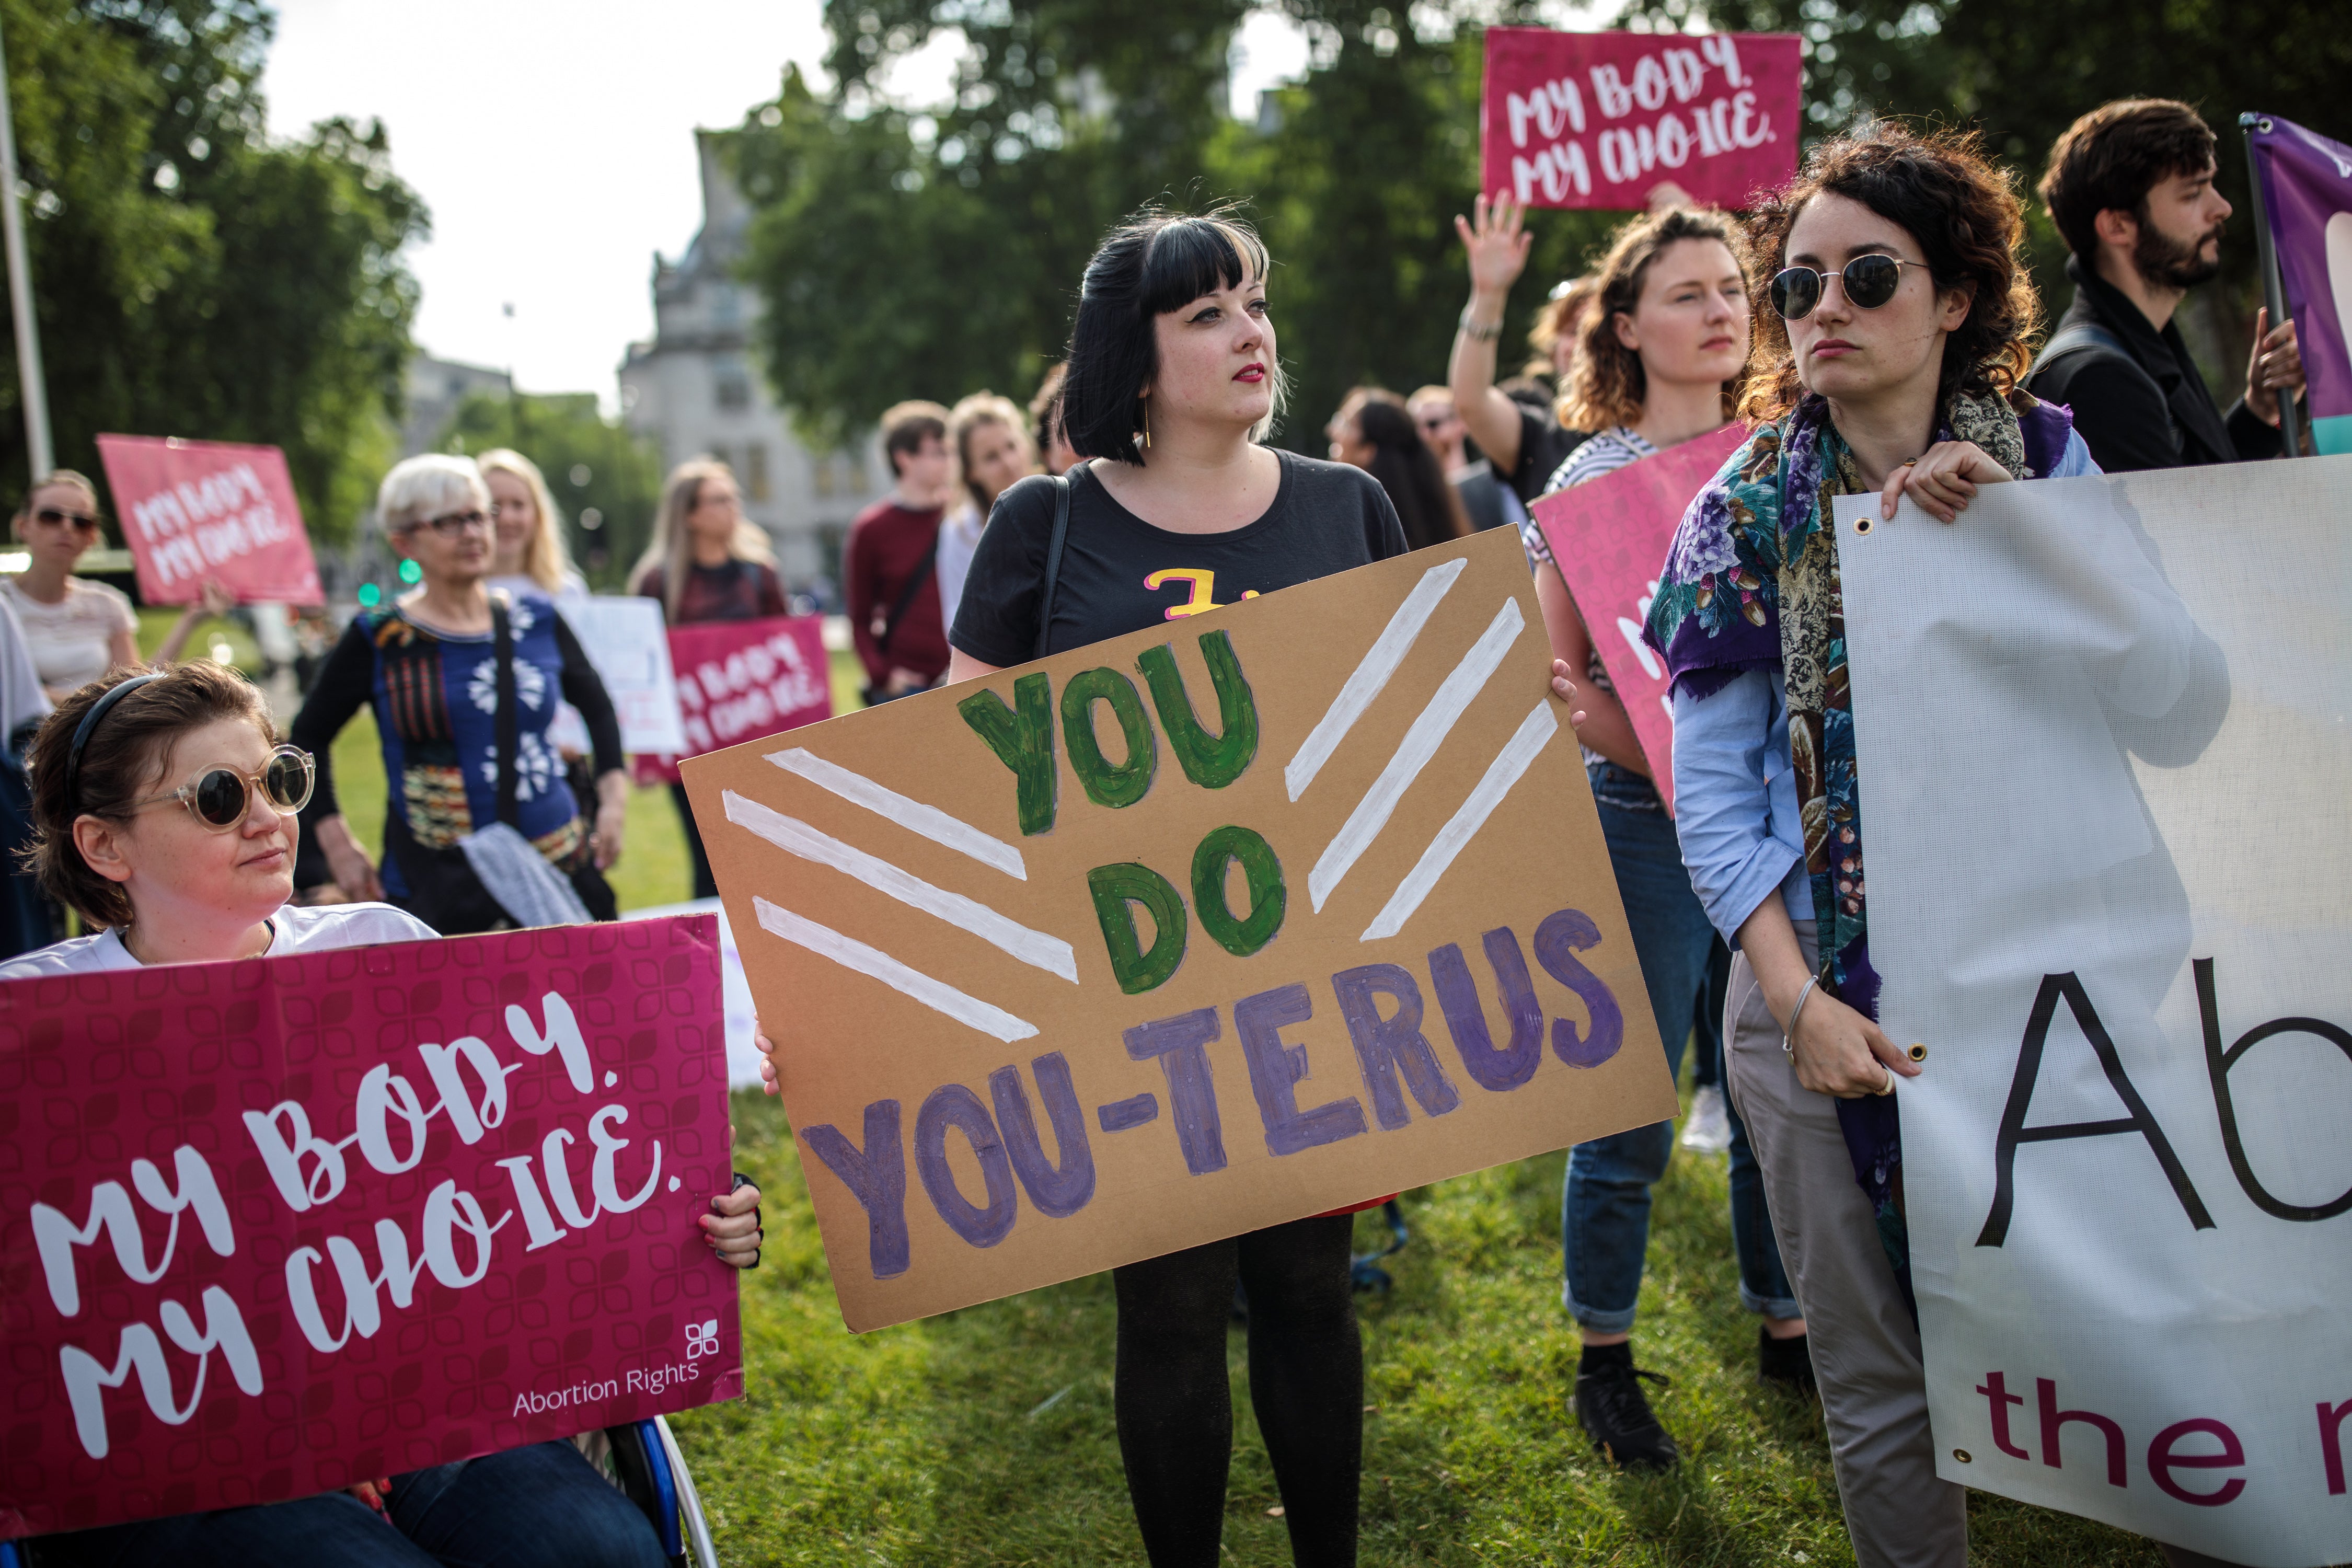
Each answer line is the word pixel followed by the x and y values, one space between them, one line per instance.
pixel 217 797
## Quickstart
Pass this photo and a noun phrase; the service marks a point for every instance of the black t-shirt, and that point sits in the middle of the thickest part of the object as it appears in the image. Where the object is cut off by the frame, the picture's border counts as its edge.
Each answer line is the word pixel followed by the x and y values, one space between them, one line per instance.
pixel 1120 575
pixel 1544 446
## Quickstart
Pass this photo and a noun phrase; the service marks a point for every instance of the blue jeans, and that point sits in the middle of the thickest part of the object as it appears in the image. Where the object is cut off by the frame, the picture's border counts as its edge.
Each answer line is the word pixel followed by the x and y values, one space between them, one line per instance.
pixel 539 1507
pixel 1605 1211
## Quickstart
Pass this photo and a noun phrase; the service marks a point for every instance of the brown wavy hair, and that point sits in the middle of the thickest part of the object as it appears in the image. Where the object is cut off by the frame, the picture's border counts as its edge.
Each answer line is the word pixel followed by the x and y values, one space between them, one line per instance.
pixel 1942 190
pixel 1607 383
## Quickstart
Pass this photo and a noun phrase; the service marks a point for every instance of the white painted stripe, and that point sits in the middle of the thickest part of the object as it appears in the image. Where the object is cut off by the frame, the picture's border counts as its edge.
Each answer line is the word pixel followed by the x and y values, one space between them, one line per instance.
pixel 1419 746
pixel 912 815
pixel 1518 754
pixel 851 953
pixel 1371 673
pixel 790 833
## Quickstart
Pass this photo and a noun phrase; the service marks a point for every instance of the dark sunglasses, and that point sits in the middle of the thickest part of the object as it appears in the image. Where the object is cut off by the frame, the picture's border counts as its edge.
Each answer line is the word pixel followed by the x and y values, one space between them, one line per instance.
pixel 217 797
pixel 1869 281
pixel 52 517
pixel 453 522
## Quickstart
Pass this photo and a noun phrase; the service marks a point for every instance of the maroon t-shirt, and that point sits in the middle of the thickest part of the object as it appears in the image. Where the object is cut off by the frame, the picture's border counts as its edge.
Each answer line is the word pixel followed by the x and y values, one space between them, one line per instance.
pixel 887 544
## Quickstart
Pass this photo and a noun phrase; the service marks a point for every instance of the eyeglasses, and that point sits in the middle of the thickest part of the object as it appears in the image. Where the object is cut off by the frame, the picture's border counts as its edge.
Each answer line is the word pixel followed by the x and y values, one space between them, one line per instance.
pixel 51 517
pixel 1869 281
pixel 452 522
pixel 217 797
pixel 1440 423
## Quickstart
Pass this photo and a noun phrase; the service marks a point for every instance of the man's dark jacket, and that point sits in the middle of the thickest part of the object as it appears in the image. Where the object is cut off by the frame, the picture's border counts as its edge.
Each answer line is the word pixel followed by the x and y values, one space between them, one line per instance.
pixel 2144 405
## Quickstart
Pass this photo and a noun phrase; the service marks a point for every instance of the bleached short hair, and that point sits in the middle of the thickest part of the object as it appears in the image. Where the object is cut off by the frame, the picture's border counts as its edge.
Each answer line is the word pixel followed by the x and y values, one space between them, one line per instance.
pixel 429 485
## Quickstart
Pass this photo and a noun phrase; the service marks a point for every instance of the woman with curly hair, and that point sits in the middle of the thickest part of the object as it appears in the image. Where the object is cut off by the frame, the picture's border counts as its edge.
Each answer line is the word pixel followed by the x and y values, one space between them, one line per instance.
pixel 1658 361
pixel 1889 366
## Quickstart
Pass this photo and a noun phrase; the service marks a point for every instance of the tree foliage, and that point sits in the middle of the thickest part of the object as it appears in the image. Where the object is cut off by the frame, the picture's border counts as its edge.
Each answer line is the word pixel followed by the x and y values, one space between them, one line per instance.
pixel 193 276
pixel 591 464
pixel 929 250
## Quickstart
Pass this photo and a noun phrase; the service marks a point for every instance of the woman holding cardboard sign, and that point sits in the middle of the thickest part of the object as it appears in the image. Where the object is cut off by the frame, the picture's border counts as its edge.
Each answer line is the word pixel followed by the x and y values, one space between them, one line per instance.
pixel 166 813
pixel 1172 383
pixel 1659 363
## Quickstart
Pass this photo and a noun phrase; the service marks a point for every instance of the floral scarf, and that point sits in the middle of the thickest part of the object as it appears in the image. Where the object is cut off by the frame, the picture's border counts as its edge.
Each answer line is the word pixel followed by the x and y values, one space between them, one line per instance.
pixel 1751 583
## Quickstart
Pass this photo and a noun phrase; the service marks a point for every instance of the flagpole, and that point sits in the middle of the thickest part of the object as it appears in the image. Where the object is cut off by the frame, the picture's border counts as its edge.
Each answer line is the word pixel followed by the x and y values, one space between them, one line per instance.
pixel 29 383
pixel 2274 291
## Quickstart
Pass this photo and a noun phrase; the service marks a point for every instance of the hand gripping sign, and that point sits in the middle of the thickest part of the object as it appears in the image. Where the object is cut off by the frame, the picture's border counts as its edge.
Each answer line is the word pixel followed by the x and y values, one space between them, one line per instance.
pixel 1595 120
pixel 1237 920
pixel 204 512
pixel 1609 539
pixel 738 680
pixel 271 1227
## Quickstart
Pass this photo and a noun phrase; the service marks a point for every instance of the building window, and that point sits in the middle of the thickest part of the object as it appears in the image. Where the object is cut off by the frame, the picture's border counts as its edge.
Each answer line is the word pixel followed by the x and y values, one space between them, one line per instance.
pixel 734 392
pixel 719 453
pixel 755 470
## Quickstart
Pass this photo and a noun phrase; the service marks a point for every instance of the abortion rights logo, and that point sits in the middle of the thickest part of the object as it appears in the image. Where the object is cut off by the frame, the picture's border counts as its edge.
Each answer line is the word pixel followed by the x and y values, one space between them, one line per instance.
pixel 701 1338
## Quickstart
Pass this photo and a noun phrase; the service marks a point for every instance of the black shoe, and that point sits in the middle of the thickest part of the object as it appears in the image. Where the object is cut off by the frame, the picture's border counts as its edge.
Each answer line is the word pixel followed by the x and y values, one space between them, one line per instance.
pixel 1615 1414
pixel 1786 1362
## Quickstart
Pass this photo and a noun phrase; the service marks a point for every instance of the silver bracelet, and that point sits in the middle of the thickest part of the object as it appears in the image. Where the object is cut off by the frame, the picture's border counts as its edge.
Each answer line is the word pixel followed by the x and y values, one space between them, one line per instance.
pixel 1789 1034
pixel 1477 333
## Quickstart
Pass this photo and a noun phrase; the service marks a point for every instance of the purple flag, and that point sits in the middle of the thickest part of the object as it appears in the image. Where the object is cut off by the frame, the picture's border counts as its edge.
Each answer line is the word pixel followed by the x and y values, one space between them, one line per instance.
pixel 2307 192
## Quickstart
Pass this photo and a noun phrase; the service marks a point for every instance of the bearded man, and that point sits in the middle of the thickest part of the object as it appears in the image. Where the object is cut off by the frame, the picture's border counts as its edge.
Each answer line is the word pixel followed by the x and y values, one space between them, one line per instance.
pixel 2130 186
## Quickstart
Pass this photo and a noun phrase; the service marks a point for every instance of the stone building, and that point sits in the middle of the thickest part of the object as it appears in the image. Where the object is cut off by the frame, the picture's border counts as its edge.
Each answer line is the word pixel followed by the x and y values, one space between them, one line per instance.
pixel 698 387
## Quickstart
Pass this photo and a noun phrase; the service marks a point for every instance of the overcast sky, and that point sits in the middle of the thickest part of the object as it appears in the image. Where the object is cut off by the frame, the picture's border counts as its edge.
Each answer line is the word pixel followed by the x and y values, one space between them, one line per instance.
pixel 553 143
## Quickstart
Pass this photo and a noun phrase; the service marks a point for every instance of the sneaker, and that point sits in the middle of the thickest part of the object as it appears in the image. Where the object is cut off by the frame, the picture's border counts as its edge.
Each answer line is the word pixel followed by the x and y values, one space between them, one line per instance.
pixel 1707 1129
pixel 1786 1362
pixel 1615 1414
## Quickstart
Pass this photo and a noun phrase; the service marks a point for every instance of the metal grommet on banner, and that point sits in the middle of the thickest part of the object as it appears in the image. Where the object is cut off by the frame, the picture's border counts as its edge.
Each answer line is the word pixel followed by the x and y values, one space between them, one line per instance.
pixel 1861 526
pixel 1961 1455
pixel 1918 1053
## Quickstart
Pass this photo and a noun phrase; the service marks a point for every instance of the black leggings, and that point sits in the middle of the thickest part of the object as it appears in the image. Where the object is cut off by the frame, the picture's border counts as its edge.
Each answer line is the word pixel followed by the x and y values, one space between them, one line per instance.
pixel 1307 1384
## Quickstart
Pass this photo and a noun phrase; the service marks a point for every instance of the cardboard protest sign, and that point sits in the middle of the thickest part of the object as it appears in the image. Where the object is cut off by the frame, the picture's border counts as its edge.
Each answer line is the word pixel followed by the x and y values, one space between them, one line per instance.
pixel 624 638
pixel 739 681
pixel 1254 915
pixel 1609 539
pixel 206 512
pixel 1595 120
pixel 272 1227
pixel 2101 746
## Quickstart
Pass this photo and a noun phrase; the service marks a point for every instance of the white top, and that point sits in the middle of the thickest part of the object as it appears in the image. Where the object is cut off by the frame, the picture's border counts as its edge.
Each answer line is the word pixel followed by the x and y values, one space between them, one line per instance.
pixel 292 929
pixel 70 638
pixel 959 538
pixel 22 700
pixel 573 586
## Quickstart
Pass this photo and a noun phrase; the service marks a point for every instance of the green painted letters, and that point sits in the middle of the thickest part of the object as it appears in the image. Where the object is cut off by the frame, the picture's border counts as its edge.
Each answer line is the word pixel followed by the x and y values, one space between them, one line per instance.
pixel 1113 888
pixel 1266 894
pixel 1106 785
pixel 1210 763
pixel 1022 737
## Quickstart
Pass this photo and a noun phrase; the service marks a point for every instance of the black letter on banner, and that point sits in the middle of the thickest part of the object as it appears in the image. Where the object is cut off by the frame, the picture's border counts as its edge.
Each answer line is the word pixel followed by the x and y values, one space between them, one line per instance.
pixel 1211 765
pixel 952 1105
pixel 1022 736
pixel 2220 1062
pixel 1465 1016
pixel 877 1177
pixel 2013 1130
pixel 1057 1193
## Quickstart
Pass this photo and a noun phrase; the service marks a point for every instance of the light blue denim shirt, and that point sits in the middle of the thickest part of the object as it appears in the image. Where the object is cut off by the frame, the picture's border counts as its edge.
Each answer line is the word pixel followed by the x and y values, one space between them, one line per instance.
pixel 1735 790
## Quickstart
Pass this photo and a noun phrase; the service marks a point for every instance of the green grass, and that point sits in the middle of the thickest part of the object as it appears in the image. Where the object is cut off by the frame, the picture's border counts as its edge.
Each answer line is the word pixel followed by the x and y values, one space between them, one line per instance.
pixel 926 1444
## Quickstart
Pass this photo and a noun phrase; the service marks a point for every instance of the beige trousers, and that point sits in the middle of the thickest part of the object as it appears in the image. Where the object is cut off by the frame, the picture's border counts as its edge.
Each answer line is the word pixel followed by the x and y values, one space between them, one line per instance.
pixel 1865 1348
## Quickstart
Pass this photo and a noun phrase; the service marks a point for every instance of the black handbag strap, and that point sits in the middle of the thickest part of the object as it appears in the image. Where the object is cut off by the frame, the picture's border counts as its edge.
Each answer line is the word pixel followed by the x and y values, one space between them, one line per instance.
pixel 509 722
pixel 914 585
pixel 1054 543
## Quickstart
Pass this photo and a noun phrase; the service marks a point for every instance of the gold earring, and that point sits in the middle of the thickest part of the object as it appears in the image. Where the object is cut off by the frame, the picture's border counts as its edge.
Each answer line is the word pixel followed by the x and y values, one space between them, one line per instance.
pixel 1147 425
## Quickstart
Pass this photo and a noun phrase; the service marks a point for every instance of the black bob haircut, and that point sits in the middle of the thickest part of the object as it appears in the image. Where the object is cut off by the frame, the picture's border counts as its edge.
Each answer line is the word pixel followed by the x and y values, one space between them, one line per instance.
pixel 1153 263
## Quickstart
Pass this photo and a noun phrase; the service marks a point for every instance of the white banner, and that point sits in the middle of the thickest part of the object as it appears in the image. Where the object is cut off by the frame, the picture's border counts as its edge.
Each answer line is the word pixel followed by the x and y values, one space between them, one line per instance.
pixel 623 637
pixel 2106 800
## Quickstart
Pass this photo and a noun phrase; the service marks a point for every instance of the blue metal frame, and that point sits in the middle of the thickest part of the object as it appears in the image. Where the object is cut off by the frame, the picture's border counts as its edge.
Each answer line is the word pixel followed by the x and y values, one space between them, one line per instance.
pixel 673 1545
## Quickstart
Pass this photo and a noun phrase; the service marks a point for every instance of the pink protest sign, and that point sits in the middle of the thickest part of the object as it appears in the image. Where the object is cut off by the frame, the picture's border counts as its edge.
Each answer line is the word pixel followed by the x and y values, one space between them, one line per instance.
pixel 205 512
pixel 268 1229
pixel 1610 538
pixel 739 681
pixel 1596 120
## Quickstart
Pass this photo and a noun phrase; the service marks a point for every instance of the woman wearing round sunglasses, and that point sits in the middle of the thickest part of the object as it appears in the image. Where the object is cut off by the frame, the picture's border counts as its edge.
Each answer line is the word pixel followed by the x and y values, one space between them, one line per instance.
pixel 164 809
pixel 79 629
pixel 1889 367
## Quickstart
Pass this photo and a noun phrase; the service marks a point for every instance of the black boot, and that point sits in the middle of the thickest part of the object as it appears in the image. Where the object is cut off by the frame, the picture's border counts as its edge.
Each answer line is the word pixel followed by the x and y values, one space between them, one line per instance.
pixel 1615 1414
pixel 1789 1362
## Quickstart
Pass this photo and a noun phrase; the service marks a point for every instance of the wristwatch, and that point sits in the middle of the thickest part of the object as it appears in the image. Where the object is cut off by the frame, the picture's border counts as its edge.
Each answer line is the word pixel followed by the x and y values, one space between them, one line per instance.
pixel 1479 332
